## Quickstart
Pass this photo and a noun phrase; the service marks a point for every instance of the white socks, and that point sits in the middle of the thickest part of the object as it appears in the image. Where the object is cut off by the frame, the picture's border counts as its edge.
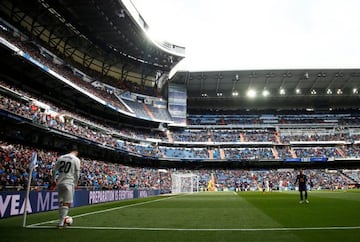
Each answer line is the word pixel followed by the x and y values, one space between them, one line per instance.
pixel 63 212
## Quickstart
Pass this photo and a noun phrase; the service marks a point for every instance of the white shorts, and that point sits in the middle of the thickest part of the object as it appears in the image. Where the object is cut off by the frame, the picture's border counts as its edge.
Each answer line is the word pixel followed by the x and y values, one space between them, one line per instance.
pixel 65 193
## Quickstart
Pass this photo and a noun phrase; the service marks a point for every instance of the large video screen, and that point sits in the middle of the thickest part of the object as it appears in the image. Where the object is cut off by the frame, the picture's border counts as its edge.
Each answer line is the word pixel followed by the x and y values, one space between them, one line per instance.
pixel 177 101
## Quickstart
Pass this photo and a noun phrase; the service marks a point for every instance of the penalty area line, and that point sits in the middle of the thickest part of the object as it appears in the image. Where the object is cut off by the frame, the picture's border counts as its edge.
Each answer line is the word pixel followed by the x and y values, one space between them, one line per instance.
pixel 209 229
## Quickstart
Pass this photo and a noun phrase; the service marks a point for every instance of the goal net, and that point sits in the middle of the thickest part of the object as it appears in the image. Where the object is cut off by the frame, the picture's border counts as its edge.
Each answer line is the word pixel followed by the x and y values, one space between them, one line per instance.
pixel 184 182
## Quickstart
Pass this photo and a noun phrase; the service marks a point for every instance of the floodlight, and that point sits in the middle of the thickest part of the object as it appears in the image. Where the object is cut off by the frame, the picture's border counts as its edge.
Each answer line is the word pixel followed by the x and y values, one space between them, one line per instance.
pixel 265 93
pixel 251 93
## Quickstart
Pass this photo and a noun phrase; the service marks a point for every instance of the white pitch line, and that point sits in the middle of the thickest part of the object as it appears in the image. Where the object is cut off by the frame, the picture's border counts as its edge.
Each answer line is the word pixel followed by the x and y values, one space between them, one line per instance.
pixel 104 210
pixel 209 229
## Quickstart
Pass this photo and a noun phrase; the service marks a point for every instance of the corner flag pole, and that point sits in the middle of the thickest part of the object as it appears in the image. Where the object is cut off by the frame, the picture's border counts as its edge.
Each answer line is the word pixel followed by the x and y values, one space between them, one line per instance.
pixel 33 164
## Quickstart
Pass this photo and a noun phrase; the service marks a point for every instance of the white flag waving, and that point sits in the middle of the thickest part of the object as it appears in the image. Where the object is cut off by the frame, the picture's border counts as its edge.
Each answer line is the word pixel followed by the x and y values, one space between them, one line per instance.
pixel 33 160
pixel 33 164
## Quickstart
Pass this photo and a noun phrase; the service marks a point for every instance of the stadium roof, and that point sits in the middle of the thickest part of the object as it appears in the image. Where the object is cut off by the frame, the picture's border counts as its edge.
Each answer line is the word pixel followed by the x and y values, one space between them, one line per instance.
pixel 272 89
pixel 118 26
pixel 114 33
pixel 98 34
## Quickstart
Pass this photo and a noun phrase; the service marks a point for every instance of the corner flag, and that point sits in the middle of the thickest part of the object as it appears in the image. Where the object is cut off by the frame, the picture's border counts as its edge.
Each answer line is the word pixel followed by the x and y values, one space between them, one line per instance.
pixel 33 164
pixel 33 160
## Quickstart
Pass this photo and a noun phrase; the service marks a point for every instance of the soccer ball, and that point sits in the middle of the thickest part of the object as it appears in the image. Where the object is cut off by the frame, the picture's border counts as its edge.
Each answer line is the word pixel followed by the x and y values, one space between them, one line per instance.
pixel 68 220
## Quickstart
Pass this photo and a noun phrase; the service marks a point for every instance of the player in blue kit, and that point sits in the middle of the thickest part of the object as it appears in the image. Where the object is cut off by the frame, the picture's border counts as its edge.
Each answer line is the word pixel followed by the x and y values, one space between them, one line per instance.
pixel 302 180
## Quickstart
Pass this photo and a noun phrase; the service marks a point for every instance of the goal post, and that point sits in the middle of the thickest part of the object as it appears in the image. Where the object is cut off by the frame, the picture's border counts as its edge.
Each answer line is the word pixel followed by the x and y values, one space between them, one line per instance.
pixel 184 183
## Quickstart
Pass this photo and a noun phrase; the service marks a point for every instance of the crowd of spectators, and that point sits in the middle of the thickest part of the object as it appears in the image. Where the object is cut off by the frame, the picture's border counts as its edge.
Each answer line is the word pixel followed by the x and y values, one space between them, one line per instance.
pixel 184 153
pixel 248 153
pixel 105 92
pixel 25 105
pixel 95 175
pixel 109 136
pixel 317 152
pixel 276 180
pixel 259 136
pixel 352 151
pixel 260 119
pixel 316 137
pixel 280 136
pixel 70 122
pixel 226 136
pixel 33 51
pixel 191 136
pixel 102 175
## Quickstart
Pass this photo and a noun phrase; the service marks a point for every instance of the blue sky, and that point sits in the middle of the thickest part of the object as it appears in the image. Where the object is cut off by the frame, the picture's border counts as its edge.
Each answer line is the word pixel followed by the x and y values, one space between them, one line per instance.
pixel 258 34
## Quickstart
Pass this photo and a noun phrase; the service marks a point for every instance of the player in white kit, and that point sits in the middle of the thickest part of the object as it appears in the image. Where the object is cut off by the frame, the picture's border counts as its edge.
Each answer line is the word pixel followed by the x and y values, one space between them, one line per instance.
pixel 67 171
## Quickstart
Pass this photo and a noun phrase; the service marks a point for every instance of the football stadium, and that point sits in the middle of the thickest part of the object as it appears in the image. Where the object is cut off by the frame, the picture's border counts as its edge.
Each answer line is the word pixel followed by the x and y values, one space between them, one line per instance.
pixel 106 135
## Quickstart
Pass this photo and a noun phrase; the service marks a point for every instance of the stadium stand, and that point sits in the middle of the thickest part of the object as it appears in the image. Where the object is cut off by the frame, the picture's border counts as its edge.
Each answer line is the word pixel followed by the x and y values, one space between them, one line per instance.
pixel 21 103
pixel 100 175
pixel 282 140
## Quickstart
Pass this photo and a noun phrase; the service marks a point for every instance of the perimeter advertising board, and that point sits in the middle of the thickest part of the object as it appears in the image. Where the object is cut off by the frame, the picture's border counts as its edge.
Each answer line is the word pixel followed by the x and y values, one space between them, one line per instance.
pixel 13 203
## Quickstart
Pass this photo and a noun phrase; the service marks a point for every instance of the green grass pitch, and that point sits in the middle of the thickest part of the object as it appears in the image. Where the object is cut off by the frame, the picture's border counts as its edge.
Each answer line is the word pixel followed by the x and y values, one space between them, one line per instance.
pixel 206 216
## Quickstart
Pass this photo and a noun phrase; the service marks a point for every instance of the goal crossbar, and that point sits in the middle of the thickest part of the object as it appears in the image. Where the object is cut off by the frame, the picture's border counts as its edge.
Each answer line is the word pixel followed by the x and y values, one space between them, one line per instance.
pixel 184 183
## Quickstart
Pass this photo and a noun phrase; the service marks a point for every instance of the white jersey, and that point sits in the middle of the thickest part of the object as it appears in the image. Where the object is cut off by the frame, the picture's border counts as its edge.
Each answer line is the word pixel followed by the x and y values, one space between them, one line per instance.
pixel 68 168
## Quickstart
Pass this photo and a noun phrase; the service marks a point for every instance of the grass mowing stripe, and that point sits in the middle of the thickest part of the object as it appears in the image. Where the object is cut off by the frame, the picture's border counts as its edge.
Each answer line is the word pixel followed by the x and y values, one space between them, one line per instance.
pixel 205 217
pixel 324 210
pixel 106 210
pixel 201 211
